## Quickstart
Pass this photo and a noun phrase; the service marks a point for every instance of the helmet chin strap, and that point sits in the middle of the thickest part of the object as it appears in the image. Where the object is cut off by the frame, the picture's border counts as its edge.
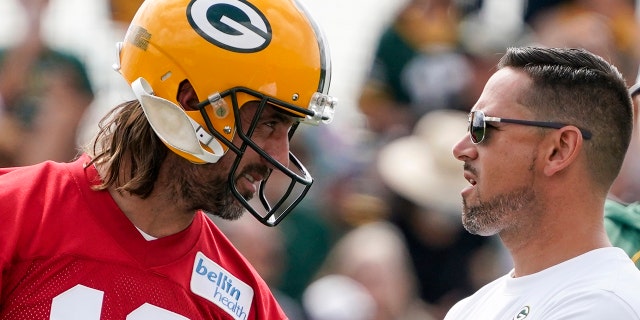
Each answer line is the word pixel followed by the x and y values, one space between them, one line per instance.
pixel 174 127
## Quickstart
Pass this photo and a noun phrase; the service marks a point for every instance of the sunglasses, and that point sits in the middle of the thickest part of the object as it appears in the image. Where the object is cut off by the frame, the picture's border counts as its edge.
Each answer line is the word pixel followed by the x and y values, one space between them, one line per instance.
pixel 478 125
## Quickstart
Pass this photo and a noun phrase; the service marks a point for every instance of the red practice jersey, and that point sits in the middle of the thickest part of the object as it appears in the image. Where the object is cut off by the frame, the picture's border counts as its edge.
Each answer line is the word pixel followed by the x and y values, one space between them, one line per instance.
pixel 67 252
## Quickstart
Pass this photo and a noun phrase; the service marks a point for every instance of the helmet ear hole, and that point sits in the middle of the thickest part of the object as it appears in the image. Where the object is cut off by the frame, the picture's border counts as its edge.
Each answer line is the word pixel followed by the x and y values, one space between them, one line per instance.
pixel 187 96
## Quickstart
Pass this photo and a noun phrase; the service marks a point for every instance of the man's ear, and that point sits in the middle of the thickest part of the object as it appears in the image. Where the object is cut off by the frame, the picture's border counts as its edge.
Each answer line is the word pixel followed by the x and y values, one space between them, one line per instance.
pixel 187 96
pixel 564 147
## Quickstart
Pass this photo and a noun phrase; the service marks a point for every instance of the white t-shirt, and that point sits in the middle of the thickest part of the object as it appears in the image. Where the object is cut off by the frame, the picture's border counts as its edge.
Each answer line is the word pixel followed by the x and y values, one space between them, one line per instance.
pixel 600 284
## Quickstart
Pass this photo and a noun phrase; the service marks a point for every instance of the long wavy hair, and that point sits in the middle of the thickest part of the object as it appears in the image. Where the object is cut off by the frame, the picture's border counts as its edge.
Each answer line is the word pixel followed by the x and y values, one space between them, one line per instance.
pixel 127 150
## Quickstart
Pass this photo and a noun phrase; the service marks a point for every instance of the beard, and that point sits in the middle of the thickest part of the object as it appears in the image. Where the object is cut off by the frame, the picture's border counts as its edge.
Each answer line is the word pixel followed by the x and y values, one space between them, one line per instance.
pixel 206 187
pixel 490 217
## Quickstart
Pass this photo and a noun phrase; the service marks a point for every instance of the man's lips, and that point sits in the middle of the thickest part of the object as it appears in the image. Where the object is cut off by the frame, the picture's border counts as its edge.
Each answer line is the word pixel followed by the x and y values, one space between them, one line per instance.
pixel 470 177
pixel 249 182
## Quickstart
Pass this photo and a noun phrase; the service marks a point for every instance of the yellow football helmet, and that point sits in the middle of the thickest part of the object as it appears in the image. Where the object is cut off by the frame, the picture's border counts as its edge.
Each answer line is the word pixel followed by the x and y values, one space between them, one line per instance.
pixel 231 52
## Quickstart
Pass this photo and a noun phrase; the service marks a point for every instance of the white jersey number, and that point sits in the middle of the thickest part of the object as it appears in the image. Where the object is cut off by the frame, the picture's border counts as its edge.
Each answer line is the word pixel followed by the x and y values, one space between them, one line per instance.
pixel 84 303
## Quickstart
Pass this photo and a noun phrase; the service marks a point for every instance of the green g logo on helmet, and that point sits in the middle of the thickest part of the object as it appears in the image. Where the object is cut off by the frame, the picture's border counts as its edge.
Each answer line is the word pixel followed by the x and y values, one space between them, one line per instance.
pixel 230 24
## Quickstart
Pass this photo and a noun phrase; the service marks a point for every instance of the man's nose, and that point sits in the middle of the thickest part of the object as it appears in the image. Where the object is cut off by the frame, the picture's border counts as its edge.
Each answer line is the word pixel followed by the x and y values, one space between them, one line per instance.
pixel 278 148
pixel 464 149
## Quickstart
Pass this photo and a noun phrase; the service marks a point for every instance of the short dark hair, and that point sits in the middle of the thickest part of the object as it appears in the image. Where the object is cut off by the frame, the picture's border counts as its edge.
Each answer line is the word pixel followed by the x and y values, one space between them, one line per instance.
pixel 578 87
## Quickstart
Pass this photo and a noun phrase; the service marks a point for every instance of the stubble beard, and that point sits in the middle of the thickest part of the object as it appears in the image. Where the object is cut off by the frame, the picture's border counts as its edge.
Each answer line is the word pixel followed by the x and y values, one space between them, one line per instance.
pixel 198 190
pixel 223 202
pixel 490 217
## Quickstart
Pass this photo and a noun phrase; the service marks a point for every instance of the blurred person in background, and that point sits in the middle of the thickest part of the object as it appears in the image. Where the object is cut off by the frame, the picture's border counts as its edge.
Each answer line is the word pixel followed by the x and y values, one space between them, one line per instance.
pixel 44 94
pixel 375 256
pixel 424 182
pixel 310 230
pixel 609 29
pixel 122 11
pixel 339 297
pixel 622 209
pixel 418 66
pixel 626 187
pixel 546 140
pixel 265 249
